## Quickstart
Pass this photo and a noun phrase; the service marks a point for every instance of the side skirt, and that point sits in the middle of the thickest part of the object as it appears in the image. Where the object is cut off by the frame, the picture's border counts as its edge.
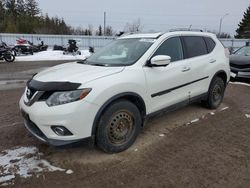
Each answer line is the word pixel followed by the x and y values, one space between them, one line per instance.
pixel 175 107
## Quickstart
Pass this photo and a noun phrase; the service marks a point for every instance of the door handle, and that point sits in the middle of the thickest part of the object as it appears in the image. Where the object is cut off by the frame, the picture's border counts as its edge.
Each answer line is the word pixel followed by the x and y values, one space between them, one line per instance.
pixel 185 69
pixel 212 61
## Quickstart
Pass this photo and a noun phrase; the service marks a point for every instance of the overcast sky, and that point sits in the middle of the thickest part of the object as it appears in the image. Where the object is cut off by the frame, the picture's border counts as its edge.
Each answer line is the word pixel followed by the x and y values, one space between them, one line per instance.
pixel 158 15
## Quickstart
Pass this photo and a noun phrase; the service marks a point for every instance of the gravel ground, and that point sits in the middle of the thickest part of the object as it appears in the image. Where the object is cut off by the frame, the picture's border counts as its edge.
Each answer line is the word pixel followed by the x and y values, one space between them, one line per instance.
pixel 212 151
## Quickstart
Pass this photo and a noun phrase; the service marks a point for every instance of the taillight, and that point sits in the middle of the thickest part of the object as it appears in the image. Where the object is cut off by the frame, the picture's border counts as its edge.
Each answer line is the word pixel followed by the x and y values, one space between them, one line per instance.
pixel 227 53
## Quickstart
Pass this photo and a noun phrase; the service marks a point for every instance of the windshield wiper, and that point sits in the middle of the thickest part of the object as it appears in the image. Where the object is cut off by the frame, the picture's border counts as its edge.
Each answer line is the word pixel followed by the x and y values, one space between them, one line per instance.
pixel 83 61
pixel 98 64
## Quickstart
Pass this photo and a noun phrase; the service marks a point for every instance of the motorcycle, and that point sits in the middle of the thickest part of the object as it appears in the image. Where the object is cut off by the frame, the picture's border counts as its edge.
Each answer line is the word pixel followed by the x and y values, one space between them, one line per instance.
pixel 72 48
pixel 6 55
pixel 23 47
pixel 5 46
pixel 39 47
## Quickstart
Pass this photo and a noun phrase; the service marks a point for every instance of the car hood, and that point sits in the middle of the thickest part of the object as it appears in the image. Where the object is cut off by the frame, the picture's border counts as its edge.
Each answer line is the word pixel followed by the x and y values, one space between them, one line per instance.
pixel 75 72
pixel 239 59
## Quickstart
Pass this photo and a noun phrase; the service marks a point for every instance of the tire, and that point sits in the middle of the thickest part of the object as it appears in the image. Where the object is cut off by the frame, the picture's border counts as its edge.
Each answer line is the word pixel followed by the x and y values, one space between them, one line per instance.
pixel 215 93
pixel 9 57
pixel 118 127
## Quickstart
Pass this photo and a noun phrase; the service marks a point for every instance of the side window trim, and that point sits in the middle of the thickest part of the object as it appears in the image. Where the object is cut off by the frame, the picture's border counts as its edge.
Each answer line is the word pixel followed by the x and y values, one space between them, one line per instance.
pixel 206 45
pixel 184 48
pixel 215 43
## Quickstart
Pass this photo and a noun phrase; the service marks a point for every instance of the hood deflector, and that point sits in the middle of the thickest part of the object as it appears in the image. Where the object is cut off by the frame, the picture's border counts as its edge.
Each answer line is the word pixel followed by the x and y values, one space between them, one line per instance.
pixel 52 86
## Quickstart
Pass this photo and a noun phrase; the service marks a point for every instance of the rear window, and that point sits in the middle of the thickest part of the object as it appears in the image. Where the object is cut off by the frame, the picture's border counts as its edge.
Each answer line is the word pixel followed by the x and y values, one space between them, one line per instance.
pixel 194 46
pixel 210 44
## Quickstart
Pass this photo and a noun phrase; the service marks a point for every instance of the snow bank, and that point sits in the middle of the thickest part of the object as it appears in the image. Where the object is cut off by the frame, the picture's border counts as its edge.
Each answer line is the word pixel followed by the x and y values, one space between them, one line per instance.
pixel 53 56
pixel 24 162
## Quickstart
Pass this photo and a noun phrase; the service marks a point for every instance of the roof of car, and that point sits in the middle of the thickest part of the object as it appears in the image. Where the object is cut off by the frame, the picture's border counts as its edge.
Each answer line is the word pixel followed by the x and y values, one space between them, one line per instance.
pixel 157 35
pixel 141 35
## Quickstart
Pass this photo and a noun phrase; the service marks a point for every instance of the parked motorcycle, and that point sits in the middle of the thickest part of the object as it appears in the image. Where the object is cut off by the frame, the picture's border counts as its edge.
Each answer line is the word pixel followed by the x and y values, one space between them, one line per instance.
pixel 72 48
pixel 23 47
pixel 40 47
pixel 5 46
pixel 6 55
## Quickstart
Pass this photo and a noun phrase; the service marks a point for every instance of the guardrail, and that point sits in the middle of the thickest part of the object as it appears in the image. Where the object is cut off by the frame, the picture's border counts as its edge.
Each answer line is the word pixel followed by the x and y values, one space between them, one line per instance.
pixel 86 41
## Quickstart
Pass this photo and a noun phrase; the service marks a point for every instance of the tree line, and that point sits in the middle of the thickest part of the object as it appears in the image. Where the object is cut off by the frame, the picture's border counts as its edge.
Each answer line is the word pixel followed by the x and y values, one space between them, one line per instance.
pixel 24 16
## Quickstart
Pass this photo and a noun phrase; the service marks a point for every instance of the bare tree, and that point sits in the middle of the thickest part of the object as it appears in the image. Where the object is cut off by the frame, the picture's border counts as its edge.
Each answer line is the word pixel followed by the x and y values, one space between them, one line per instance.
pixel 109 31
pixel 135 26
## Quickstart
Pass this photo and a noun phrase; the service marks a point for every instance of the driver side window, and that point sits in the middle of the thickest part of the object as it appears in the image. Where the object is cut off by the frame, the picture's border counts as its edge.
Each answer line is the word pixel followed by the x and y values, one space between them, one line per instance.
pixel 171 47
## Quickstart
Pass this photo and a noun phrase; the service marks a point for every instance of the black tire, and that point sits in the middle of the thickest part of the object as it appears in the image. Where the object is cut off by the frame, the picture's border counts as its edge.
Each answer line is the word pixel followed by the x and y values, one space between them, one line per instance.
pixel 9 57
pixel 118 127
pixel 215 93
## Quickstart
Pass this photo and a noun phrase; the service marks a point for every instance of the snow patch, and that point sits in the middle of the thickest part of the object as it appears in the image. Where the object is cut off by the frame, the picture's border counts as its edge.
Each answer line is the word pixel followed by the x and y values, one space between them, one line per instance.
pixel 239 83
pixel 6 178
pixel 225 108
pixel 247 115
pixel 161 135
pixel 23 161
pixel 195 120
pixel 69 171
pixel 53 56
pixel 212 113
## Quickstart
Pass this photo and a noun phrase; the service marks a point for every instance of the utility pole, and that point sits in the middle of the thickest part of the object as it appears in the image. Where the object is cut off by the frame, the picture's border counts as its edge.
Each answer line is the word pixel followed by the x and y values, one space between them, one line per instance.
pixel 104 24
pixel 221 23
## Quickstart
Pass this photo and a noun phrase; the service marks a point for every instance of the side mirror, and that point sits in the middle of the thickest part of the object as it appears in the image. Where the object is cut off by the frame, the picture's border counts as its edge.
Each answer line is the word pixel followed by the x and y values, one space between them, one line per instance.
pixel 160 60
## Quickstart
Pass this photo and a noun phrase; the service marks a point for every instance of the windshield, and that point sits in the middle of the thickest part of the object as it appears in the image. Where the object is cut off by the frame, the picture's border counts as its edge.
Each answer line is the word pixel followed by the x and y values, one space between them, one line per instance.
pixel 121 52
pixel 243 51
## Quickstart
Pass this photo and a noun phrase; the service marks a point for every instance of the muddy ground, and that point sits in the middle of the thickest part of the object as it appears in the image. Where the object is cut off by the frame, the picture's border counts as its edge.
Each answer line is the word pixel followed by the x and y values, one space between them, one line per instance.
pixel 169 152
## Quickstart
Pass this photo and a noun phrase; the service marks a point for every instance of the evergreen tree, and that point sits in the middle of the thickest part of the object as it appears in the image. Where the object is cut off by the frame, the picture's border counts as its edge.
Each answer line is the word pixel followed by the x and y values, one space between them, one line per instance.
pixel 99 33
pixel 32 8
pixel 109 31
pixel 244 26
pixel 2 15
pixel 20 7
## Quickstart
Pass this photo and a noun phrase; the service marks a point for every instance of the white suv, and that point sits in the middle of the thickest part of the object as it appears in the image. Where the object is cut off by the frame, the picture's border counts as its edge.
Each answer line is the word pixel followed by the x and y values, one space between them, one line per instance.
pixel 108 96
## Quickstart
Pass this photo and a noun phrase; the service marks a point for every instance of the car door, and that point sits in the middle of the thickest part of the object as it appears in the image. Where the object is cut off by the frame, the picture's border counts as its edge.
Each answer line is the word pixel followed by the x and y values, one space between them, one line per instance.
pixel 168 85
pixel 200 62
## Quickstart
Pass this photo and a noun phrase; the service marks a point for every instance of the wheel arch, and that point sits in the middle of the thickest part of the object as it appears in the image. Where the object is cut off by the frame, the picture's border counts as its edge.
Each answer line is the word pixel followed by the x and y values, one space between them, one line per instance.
pixel 130 96
pixel 221 74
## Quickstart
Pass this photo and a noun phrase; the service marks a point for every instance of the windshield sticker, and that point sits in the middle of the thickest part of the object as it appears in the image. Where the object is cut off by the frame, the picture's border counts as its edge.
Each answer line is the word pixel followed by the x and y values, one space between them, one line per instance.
pixel 148 40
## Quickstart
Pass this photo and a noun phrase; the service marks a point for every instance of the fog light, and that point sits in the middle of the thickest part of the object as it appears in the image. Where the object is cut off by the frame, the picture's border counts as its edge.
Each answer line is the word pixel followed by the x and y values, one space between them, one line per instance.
pixel 61 131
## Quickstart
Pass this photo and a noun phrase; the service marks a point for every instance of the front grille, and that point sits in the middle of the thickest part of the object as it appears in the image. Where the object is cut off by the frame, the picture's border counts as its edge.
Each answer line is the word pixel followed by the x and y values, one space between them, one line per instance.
pixel 244 66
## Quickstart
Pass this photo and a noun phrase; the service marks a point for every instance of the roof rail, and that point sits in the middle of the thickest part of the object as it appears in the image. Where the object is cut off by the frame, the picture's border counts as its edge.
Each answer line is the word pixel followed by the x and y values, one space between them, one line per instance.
pixel 185 29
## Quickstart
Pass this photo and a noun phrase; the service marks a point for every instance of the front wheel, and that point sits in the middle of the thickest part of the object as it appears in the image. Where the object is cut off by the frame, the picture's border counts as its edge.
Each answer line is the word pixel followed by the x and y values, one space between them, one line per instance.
pixel 215 93
pixel 118 127
pixel 9 57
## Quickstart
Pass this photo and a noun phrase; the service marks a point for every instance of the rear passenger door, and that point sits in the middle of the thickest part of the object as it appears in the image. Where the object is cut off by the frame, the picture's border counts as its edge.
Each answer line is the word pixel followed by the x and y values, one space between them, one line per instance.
pixel 199 59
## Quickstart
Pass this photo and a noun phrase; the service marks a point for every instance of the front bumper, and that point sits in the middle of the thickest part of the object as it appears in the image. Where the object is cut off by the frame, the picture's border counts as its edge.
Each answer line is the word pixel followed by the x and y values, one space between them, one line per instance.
pixel 240 73
pixel 77 117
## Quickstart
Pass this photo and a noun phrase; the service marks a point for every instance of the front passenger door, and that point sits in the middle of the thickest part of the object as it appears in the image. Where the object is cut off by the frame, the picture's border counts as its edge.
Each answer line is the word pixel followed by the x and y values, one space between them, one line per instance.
pixel 167 85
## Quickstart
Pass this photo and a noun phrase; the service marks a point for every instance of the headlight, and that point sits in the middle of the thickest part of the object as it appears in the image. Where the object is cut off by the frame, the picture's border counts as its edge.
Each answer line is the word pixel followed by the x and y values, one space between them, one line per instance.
pixel 64 97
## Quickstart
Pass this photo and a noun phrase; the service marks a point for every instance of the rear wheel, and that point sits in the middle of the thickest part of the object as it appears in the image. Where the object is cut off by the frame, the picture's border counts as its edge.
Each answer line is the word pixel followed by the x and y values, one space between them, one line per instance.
pixel 215 93
pixel 118 127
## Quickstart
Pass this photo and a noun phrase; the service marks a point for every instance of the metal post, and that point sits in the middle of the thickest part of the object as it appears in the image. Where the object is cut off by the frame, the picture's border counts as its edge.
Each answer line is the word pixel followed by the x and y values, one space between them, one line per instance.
pixel 221 23
pixel 104 24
